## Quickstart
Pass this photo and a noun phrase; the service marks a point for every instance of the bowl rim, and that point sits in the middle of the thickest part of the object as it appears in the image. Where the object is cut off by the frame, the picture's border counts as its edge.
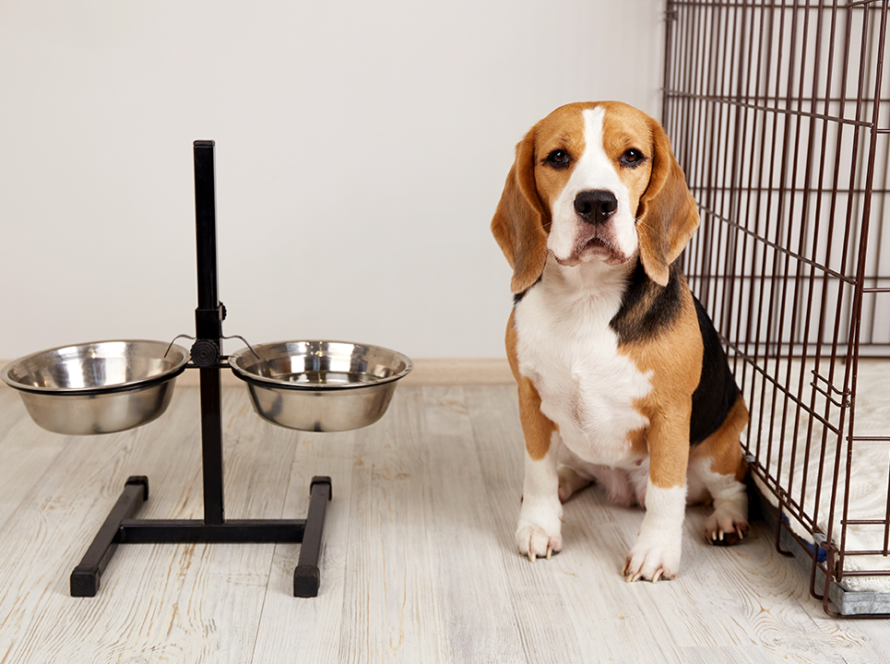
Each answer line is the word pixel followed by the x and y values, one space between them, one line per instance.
pixel 112 388
pixel 262 381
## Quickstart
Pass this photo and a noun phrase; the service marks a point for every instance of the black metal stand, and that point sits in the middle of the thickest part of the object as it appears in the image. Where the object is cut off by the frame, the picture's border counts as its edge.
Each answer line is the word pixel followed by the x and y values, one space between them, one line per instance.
pixel 122 528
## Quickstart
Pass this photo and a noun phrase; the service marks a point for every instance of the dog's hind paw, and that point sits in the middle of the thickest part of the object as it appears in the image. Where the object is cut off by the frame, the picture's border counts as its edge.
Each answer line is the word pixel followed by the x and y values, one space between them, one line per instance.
pixel 734 534
pixel 726 528
pixel 570 482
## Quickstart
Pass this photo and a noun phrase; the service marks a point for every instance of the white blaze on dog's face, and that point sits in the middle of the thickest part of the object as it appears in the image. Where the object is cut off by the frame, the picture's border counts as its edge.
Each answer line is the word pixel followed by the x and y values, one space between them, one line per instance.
pixel 592 165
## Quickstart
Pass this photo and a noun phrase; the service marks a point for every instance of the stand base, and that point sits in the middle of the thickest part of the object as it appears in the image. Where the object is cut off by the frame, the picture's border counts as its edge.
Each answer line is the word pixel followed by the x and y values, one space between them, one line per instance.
pixel 121 528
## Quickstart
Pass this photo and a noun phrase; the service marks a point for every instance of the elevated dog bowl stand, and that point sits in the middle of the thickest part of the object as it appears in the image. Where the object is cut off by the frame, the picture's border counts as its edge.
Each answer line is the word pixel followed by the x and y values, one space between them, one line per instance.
pixel 121 526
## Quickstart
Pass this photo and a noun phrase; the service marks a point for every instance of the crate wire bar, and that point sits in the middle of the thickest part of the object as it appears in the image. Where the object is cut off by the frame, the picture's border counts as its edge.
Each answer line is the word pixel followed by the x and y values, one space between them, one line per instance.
pixel 778 113
pixel 121 526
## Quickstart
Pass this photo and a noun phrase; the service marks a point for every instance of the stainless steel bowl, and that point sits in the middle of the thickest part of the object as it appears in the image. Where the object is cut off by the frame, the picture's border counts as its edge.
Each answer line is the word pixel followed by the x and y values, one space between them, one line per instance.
pixel 320 385
pixel 98 387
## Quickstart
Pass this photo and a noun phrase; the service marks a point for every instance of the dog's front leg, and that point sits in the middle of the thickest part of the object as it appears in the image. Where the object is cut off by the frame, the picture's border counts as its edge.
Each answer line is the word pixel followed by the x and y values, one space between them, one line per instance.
pixel 656 554
pixel 540 520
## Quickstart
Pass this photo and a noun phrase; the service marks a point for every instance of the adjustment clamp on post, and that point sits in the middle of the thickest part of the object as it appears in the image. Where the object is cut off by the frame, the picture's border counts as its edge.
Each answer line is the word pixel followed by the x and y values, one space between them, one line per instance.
pixel 205 353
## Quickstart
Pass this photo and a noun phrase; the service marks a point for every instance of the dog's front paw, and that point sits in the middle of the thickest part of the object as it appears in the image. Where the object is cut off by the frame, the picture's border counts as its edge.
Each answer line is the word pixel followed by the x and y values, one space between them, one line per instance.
pixel 536 542
pixel 652 561
pixel 539 532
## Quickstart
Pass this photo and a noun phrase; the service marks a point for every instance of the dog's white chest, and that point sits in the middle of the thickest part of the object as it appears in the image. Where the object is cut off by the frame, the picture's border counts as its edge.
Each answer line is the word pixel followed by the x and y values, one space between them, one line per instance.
pixel 587 388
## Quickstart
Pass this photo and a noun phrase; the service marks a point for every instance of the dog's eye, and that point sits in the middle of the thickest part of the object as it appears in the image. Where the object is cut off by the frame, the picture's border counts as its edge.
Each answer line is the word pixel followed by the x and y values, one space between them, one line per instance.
pixel 558 158
pixel 632 157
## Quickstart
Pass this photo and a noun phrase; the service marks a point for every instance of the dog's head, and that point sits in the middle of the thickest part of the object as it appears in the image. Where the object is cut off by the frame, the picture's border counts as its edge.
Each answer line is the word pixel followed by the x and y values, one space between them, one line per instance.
pixel 594 181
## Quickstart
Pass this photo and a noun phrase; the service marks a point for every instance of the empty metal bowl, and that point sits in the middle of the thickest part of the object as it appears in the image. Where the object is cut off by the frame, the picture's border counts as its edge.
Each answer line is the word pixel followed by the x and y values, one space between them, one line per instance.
pixel 98 387
pixel 320 385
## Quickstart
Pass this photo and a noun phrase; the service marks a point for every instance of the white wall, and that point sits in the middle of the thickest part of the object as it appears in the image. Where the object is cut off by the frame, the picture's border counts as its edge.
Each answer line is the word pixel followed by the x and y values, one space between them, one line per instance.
pixel 361 150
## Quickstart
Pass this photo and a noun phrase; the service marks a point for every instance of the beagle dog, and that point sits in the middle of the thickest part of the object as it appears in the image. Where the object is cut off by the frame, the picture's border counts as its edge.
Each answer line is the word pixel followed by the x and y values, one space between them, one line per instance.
pixel 622 376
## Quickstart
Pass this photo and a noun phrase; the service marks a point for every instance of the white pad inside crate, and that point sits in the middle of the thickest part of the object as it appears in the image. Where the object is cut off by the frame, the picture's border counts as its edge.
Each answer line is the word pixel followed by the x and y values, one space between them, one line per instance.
pixel 870 461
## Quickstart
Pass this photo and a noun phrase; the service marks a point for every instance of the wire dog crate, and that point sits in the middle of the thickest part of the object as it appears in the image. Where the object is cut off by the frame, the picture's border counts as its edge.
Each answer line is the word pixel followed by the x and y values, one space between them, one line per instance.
pixel 779 113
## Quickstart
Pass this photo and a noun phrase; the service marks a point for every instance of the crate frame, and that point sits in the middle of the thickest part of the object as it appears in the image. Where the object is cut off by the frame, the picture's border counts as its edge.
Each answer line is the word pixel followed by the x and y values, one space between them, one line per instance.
pixel 778 115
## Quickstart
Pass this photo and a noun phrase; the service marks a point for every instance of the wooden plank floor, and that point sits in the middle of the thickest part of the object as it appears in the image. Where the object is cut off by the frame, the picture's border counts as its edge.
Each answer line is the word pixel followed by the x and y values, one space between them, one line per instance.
pixel 418 564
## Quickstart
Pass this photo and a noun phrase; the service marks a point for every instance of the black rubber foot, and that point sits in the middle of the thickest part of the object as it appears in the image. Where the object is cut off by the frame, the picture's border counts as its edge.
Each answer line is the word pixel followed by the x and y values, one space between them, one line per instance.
pixel 306 579
pixel 140 479
pixel 322 479
pixel 85 582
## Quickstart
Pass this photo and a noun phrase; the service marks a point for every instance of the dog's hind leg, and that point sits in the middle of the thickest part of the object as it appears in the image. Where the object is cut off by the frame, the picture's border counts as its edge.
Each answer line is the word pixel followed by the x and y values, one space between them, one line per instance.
pixel 728 524
pixel 574 474
pixel 570 482
pixel 718 464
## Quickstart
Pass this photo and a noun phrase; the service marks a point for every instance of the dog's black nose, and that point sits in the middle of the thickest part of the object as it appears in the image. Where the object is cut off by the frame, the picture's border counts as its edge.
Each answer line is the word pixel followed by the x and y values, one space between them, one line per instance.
pixel 595 206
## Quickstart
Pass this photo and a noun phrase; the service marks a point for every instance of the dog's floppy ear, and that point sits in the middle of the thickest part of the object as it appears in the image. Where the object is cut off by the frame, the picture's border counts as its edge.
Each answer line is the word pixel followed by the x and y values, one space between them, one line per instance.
pixel 518 223
pixel 667 216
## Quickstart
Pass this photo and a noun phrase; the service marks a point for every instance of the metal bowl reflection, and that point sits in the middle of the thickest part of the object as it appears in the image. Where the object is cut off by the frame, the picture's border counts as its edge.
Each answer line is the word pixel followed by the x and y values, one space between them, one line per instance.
pixel 98 387
pixel 320 385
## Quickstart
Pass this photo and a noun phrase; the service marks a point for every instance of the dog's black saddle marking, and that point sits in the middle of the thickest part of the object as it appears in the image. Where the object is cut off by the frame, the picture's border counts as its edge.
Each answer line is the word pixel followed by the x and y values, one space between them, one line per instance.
pixel 717 391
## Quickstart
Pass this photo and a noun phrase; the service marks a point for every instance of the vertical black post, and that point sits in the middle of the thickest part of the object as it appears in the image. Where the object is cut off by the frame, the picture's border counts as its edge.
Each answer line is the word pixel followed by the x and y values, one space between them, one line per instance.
pixel 208 330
